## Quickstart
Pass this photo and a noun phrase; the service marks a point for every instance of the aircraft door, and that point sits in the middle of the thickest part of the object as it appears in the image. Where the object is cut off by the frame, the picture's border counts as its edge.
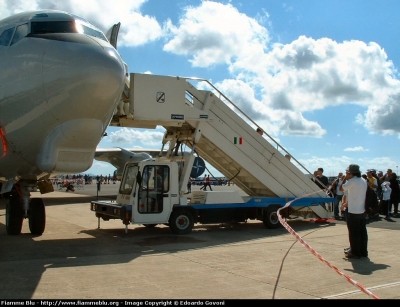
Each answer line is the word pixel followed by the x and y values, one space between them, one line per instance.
pixel 154 195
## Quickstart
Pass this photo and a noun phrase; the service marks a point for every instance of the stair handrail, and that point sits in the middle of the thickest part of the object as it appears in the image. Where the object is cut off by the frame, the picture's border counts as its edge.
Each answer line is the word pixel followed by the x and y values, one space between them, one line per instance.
pixel 279 147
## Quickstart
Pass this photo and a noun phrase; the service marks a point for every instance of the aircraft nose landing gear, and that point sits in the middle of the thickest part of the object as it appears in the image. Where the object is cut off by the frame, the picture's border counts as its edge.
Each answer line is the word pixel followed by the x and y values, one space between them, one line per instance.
pixel 15 214
pixel 37 216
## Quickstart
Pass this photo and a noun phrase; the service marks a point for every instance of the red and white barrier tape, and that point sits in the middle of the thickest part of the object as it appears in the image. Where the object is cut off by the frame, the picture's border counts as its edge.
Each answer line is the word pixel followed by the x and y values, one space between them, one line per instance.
pixel 315 253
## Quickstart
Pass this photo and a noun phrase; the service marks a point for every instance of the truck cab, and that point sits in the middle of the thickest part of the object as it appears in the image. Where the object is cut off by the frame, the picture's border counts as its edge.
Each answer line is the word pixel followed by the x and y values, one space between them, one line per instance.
pixel 148 194
pixel 149 191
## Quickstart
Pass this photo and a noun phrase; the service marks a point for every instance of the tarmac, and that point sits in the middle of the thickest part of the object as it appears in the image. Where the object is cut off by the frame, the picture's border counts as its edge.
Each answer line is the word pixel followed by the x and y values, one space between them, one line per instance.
pixel 75 259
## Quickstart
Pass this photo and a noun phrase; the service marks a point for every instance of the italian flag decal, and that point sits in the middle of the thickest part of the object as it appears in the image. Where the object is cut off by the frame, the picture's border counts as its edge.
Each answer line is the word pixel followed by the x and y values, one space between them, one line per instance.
pixel 237 140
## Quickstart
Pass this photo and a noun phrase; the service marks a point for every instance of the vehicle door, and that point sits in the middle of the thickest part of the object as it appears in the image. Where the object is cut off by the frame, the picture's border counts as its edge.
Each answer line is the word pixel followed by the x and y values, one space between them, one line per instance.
pixel 154 195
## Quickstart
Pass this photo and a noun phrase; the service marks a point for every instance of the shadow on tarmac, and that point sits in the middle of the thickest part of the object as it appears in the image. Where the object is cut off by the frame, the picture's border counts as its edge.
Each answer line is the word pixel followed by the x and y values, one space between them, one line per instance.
pixel 365 266
pixel 25 258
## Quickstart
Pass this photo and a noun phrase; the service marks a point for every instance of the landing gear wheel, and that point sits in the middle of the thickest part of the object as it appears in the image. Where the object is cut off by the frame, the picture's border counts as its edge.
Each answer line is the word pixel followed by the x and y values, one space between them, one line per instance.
pixel 150 225
pixel 14 215
pixel 181 222
pixel 270 218
pixel 37 216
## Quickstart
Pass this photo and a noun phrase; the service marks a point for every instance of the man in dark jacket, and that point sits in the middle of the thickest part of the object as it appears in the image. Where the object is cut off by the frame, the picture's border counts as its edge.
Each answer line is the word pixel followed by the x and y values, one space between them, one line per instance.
pixel 394 195
pixel 321 181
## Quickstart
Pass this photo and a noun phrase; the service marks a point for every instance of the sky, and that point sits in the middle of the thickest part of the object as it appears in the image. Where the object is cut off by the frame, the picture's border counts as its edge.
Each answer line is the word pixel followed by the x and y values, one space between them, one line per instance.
pixel 320 77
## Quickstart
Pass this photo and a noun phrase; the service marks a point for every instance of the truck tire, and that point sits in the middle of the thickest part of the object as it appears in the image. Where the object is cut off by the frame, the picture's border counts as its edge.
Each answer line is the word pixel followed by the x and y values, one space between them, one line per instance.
pixel 14 216
pixel 181 222
pixel 270 217
pixel 37 216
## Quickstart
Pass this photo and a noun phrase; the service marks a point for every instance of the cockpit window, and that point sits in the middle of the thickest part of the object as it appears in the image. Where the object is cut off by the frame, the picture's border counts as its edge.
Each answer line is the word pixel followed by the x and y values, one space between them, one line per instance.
pixel 20 33
pixel 53 27
pixel 42 27
pixel 5 37
pixel 92 32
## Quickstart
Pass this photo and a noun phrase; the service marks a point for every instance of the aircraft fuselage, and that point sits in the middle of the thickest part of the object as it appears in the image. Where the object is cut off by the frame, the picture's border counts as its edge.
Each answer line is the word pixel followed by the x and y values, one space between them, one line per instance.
pixel 58 92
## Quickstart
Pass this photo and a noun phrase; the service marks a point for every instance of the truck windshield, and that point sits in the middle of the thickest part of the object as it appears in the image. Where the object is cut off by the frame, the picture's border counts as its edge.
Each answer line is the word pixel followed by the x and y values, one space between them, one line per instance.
pixel 128 180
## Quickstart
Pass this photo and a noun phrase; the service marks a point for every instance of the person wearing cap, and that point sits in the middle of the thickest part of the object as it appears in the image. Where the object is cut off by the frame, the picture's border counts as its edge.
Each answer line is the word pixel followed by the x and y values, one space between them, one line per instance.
pixel 356 188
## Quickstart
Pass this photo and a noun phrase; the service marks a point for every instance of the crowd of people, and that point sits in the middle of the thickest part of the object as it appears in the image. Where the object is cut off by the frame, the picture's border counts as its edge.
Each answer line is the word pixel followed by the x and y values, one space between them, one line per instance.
pixel 387 189
pixel 349 191
pixel 106 179
pixel 69 182
pixel 386 186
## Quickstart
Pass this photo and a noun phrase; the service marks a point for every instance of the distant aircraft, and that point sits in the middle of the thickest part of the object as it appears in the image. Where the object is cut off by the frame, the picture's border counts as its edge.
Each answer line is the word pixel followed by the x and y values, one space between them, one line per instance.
pixel 119 156
pixel 60 82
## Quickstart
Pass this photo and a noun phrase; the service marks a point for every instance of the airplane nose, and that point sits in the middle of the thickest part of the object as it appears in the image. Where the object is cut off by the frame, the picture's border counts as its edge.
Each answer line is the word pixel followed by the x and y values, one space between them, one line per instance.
pixel 88 79
pixel 82 84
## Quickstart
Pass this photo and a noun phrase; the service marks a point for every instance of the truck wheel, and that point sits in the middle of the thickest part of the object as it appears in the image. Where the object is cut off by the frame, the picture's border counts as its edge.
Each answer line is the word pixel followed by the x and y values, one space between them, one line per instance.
pixel 181 222
pixel 270 218
pixel 150 225
pixel 37 216
pixel 14 216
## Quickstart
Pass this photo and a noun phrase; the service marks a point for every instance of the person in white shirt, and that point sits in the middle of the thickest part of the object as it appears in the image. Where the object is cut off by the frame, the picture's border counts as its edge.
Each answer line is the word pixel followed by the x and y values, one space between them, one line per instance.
pixel 356 188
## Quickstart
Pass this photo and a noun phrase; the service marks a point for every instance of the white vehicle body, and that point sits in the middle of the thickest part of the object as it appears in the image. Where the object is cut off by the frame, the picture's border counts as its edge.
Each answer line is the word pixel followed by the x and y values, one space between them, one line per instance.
pixel 217 131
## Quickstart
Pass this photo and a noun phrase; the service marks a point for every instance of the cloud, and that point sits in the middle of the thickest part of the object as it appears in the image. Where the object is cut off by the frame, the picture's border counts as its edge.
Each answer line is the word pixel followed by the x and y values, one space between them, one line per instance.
pixel 243 96
pixel 384 116
pixel 302 76
pixel 215 33
pixel 129 136
pixel 357 148
pixel 295 124
pixel 277 84
pixel 315 74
